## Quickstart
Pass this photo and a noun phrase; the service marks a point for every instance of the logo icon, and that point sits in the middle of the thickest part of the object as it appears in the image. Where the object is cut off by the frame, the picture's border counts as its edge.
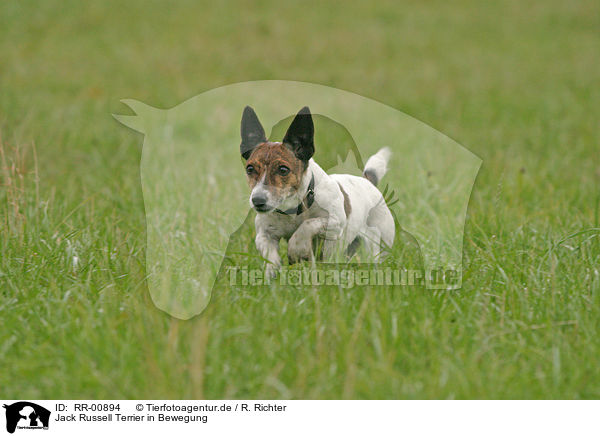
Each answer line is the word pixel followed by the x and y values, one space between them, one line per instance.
pixel 26 415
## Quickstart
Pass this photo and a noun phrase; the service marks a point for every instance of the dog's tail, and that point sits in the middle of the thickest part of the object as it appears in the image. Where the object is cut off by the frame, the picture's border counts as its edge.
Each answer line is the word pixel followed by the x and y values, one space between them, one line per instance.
pixel 376 166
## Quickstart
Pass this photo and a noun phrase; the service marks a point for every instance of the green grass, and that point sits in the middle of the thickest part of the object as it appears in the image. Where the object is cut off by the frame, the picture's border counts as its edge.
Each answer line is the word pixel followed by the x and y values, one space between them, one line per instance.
pixel 515 83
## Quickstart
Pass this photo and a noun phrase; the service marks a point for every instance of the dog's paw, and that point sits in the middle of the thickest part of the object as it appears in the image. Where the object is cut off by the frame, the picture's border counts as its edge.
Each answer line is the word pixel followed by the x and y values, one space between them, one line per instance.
pixel 299 249
pixel 271 271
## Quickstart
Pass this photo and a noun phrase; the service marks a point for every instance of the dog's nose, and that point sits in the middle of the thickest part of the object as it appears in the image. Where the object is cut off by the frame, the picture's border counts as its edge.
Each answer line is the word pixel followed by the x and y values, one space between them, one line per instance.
pixel 259 201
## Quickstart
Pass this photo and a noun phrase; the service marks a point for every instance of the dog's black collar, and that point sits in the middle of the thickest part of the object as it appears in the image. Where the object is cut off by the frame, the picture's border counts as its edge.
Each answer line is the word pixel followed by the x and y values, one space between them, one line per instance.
pixel 308 200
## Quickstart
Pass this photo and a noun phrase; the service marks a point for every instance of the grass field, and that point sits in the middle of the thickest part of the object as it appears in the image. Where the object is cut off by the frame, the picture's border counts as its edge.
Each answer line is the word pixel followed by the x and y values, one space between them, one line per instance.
pixel 515 83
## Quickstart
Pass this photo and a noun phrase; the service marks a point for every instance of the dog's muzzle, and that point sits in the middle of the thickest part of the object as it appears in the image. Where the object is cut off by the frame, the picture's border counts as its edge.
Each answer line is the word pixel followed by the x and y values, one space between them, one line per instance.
pixel 260 203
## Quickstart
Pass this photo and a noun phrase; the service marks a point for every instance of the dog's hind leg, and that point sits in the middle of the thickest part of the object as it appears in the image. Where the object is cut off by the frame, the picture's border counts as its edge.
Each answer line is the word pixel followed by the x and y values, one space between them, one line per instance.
pixel 371 238
pixel 381 230
pixel 354 246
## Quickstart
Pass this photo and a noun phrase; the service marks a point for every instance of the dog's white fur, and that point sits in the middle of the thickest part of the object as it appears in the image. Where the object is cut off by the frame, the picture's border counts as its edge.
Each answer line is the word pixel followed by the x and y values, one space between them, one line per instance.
pixel 370 219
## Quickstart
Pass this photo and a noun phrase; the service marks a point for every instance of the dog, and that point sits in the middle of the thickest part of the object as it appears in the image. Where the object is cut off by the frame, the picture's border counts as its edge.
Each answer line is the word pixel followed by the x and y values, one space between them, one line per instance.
pixel 295 199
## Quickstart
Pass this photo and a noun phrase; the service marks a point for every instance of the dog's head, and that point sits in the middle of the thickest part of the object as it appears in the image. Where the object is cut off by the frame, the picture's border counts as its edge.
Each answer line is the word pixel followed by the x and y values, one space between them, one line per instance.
pixel 275 169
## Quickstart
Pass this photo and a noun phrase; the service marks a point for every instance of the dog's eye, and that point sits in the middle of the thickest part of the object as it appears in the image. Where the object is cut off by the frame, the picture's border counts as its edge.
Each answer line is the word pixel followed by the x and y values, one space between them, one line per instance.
pixel 283 170
pixel 249 169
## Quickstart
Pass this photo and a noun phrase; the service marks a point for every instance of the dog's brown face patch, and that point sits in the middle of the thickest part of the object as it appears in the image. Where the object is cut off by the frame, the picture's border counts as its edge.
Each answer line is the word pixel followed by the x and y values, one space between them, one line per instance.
pixel 281 169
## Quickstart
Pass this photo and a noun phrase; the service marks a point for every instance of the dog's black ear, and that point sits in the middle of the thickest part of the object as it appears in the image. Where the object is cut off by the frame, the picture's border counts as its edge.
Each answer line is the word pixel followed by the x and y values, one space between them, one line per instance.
pixel 300 135
pixel 252 132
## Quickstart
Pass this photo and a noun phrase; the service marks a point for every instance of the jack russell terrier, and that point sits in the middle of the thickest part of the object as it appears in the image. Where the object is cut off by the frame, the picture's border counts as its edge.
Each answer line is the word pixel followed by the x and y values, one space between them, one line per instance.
pixel 298 201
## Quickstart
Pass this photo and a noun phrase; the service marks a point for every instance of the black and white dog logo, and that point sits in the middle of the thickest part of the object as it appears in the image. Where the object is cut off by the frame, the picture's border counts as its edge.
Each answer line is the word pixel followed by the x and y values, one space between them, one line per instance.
pixel 26 415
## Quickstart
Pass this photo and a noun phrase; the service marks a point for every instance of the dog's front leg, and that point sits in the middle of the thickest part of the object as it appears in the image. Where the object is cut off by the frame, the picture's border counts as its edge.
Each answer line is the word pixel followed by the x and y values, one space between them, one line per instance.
pixel 300 244
pixel 268 247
